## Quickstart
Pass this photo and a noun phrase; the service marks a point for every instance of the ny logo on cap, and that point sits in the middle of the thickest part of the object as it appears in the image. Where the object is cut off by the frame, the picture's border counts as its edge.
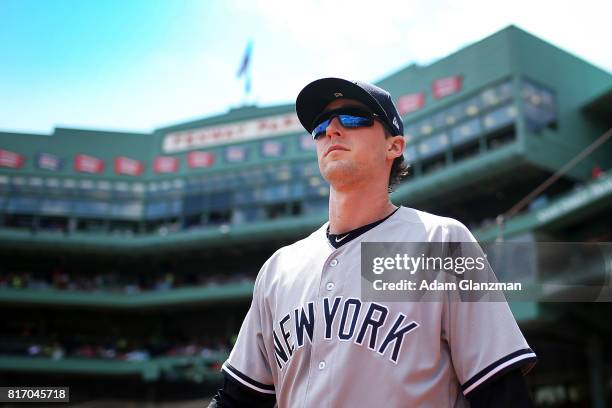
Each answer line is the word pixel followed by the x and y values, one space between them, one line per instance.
pixel 395 122
pixel 337 94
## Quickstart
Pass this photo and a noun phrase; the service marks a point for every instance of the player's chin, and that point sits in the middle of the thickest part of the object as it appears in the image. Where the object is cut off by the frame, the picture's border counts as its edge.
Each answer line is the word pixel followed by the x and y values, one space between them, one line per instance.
pixel 336 170
pixel 333 165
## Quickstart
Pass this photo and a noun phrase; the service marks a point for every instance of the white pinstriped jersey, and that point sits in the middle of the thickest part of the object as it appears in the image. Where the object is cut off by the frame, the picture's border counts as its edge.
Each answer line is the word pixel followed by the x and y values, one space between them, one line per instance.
pixel 310 339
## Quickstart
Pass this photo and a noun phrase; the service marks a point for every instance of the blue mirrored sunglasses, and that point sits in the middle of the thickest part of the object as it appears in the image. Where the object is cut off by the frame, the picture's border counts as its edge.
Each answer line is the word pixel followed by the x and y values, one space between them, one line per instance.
pixel 348 120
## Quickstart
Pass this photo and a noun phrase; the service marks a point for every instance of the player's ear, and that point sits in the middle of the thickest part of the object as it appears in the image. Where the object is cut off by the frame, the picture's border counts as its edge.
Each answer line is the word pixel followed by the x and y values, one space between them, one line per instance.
pixel 395 146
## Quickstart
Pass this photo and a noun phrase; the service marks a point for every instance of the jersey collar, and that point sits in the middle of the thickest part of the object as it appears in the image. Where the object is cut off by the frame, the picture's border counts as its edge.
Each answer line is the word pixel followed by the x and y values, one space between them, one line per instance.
pixel 337 240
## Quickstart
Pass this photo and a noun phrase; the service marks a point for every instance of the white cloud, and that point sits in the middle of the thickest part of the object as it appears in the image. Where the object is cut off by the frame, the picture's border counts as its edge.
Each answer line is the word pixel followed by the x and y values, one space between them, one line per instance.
pixel 296 42
pixel 367 40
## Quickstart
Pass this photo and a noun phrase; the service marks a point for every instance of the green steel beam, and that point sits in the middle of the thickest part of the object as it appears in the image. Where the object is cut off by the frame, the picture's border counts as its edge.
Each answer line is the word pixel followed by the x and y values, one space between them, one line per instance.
pixel 459 175
pixel 149 370
pixel 201 239
pixel 571 207
pixel 217 294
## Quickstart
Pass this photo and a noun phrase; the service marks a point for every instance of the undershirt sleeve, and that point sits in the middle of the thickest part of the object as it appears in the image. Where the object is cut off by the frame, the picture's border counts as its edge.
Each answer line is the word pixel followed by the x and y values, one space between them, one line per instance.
pixel 506 391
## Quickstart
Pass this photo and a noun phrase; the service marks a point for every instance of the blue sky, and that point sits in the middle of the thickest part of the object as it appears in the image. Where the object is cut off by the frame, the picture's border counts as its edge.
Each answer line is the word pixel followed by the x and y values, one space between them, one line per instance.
pixel 142 64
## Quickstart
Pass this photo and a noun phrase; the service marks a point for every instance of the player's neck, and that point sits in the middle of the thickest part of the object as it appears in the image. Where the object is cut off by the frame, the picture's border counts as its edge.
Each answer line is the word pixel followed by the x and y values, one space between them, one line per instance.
pixel 349 210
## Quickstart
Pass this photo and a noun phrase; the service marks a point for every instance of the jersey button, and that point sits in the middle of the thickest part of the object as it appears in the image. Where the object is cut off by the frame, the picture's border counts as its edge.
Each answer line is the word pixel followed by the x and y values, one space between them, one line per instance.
pixel 321 365
pixel 330 285
pixel 333 262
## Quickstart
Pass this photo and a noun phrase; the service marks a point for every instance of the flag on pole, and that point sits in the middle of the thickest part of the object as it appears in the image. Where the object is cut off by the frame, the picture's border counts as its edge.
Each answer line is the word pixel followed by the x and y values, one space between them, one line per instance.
pixel 245 60
pixel 244 68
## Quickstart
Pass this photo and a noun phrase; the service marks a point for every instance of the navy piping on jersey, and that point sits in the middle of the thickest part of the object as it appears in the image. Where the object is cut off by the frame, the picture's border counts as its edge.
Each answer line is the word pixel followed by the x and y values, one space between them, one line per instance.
pixel 337 240
pixel 523 356
pixel 256 385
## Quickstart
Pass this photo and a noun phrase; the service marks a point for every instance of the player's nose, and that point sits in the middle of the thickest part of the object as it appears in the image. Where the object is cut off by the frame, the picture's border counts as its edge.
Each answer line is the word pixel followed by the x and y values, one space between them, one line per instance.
pixel 334 128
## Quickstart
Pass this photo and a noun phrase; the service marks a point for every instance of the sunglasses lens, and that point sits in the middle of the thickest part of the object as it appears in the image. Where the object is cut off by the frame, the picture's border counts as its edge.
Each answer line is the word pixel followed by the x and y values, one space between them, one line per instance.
pixel 320 129
pixel 348 121
pixel 353 121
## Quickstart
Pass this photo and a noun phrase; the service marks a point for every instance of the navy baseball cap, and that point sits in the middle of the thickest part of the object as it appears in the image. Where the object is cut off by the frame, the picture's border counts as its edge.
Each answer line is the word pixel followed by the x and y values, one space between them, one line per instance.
pixel 318 94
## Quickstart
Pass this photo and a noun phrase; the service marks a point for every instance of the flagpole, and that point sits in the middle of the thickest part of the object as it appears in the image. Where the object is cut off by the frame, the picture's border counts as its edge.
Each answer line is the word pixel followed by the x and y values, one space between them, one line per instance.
pixel 247 86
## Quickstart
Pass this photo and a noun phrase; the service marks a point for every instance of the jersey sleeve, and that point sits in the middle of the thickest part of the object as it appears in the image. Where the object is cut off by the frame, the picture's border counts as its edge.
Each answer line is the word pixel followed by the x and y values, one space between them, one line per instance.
pixel 483 336
pixel 507 391
pixel 248 363
pixel 236 395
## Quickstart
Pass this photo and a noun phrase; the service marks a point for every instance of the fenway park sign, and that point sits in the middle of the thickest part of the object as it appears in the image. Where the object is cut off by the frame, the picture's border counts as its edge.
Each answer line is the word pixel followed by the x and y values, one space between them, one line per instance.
pixel 212 135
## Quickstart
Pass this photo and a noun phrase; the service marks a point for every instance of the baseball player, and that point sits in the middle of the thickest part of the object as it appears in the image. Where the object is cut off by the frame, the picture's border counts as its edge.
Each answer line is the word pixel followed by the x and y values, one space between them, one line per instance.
pixel 309 340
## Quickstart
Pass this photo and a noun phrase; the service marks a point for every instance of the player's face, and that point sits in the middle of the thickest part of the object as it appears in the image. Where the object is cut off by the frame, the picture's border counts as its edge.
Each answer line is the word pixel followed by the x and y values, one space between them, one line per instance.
pixel 352 155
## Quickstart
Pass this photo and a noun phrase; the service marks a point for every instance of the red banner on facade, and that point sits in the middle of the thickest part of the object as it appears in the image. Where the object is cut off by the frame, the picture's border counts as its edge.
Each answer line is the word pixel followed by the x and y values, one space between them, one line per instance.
pixel 165 164
pixel 128 166
pixel 11 159
pixel 446 86
pixel 88 164
pixel 200 159
pixel 410 103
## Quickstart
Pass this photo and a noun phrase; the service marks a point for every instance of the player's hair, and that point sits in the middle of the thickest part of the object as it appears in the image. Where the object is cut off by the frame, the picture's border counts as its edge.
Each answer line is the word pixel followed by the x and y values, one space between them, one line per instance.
pixel 399 168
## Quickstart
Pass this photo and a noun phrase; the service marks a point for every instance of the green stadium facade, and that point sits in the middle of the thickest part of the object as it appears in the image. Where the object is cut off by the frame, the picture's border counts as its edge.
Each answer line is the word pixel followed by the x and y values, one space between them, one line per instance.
pixel 153 240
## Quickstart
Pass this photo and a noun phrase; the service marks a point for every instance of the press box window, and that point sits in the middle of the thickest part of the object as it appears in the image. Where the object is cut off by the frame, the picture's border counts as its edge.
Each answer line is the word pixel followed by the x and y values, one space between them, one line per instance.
pixel 539 106
pixel 465 132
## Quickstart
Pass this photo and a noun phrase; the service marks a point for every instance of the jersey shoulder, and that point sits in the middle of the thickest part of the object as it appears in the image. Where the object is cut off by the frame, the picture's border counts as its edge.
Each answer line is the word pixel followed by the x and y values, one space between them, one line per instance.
pixel 315 240
pixel 432 224
pixel 291 257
